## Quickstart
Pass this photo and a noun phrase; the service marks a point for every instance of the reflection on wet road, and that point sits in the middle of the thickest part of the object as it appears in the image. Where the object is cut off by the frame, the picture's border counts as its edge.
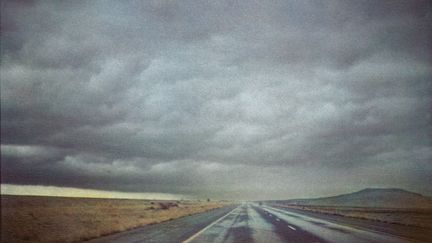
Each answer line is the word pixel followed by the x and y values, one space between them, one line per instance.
pixel 249 222
pixel 254 223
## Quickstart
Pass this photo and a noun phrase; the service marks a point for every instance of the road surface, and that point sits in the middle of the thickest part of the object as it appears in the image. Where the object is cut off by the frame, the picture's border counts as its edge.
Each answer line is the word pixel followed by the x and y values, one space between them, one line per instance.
pixel 250 223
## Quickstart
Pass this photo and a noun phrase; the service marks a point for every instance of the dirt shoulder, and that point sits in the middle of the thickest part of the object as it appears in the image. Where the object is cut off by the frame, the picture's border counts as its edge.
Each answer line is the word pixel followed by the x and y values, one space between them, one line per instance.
pixel 56 219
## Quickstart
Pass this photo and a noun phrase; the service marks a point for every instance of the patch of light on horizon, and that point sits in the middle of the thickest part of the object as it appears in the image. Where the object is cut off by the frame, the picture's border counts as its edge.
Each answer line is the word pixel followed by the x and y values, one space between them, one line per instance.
pixel 53 191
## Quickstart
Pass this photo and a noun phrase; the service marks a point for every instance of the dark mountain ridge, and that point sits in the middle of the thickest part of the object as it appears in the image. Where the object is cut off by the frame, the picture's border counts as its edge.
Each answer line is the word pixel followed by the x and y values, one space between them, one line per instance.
pixel 370 197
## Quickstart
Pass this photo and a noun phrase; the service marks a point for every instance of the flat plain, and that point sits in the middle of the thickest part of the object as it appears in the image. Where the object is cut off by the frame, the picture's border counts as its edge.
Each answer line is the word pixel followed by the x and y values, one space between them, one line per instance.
pixel 57 219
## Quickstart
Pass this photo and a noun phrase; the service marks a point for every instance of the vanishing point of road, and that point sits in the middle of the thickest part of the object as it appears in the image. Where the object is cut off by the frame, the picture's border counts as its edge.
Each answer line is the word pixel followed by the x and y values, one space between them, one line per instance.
pixel 250 222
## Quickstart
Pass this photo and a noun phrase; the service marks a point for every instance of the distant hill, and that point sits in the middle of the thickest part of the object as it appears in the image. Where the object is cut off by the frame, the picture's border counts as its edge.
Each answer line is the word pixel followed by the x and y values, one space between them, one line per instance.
pixel 371 197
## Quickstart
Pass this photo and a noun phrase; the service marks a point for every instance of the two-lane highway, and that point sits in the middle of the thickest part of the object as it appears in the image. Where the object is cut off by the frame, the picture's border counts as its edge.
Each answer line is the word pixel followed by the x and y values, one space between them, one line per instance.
pixel 253 223
pixel 250 223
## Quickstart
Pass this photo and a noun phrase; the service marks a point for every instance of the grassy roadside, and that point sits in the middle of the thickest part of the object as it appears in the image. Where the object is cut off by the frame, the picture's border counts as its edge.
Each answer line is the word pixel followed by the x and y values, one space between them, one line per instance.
pixel 56 219
pixel 421 217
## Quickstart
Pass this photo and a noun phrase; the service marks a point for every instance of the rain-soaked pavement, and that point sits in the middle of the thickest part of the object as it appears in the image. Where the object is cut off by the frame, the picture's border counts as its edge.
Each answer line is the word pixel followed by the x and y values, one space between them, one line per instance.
pixel 253 223
pixel 250 223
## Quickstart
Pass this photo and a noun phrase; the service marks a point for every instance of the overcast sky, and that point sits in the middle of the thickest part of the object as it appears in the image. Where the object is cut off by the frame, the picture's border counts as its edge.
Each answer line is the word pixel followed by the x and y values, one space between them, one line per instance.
pixel 221 99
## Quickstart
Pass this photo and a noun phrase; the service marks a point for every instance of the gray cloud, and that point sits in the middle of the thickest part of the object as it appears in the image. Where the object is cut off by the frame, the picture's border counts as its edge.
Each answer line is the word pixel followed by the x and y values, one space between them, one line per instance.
pixel 282 99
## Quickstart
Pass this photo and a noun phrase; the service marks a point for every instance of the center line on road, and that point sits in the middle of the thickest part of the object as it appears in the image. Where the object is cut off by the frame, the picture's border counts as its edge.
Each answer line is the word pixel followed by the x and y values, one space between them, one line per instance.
pixel 291 227
pixel 208 226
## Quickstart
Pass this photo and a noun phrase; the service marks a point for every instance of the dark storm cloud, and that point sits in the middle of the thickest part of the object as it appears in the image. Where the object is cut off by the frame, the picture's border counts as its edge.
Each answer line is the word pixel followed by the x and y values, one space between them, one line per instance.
pixel 224 99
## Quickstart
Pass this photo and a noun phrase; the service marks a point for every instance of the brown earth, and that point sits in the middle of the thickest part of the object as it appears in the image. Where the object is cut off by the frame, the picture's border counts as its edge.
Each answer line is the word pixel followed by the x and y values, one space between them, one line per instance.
pixel 58 219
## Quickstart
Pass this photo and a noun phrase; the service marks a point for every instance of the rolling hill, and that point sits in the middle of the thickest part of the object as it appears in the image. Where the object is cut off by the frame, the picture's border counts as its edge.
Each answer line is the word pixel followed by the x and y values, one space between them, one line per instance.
pixel 370 197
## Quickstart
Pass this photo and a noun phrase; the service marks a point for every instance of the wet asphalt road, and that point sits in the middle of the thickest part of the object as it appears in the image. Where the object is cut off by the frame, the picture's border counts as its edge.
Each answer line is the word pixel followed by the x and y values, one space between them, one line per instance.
pixel 249 223
pixel 253 223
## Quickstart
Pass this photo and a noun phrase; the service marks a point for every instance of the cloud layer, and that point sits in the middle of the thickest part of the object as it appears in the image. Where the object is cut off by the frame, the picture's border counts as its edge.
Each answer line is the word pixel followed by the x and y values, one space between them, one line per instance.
pixel 224 99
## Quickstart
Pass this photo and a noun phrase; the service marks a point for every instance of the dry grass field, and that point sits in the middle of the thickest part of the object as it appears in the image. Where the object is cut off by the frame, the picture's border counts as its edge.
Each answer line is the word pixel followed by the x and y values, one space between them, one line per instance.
pixel 56 219
pixel 421 217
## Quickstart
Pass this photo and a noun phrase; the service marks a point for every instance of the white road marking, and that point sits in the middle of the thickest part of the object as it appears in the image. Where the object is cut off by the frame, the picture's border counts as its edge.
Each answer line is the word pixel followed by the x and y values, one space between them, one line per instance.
pixel 291 227
pixel 208 226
